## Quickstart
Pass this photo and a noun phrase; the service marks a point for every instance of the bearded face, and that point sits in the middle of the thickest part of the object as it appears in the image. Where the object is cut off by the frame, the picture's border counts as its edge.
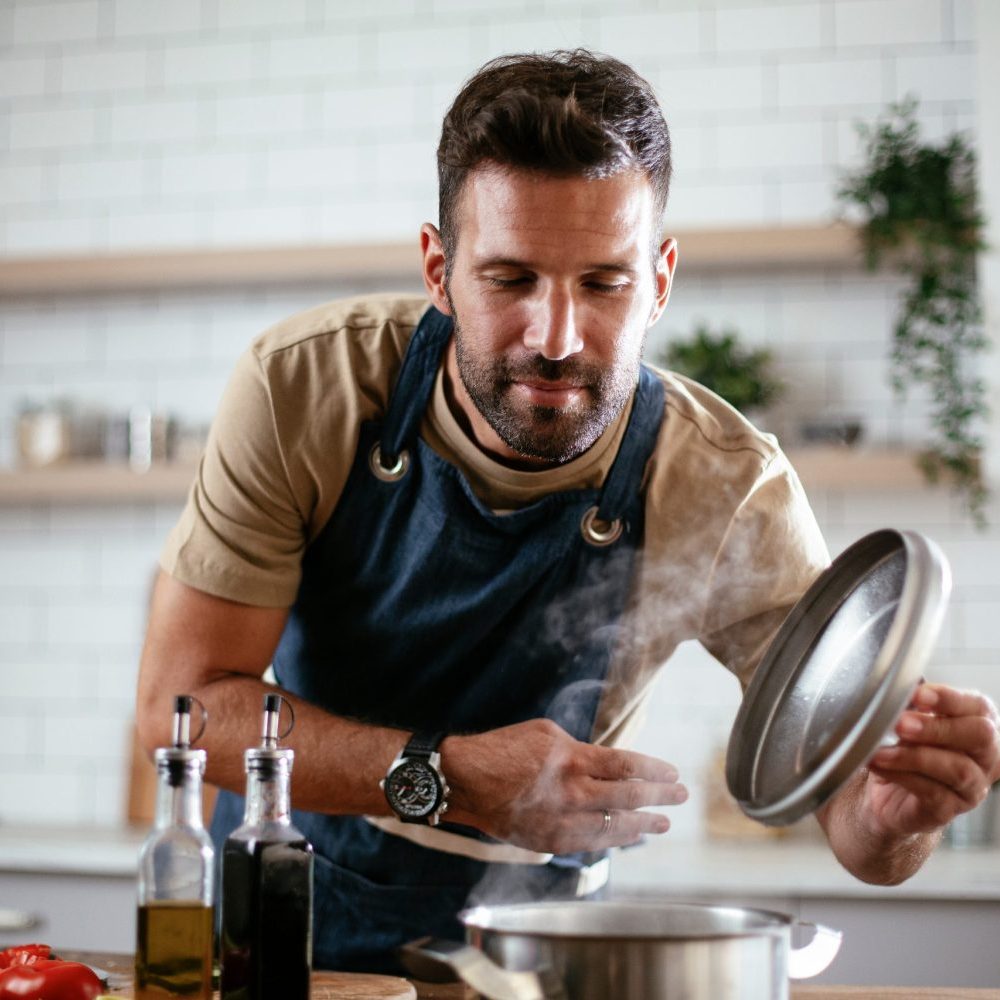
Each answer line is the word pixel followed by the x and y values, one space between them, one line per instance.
pixel 509 392
pixel 552 289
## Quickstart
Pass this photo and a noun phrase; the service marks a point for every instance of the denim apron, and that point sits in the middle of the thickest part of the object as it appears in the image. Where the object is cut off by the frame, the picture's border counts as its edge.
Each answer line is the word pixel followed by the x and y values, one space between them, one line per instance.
pixel 421 608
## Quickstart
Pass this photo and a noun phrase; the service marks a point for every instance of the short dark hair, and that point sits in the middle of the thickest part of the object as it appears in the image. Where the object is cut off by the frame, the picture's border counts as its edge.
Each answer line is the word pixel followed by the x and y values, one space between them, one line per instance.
pixel 566 113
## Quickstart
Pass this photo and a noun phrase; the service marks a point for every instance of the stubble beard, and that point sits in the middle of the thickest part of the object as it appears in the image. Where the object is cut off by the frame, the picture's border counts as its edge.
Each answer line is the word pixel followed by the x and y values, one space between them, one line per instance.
pixel 549 433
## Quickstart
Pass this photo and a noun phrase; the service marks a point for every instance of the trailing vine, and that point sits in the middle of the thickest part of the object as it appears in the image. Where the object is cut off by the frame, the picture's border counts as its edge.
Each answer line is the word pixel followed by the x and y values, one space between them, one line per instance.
pixel 920 213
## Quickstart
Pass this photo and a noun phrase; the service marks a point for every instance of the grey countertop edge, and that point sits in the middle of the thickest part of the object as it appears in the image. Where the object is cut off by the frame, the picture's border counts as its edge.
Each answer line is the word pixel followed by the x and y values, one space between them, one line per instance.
pixel 677 868
pixel 63 850
pixel 793 869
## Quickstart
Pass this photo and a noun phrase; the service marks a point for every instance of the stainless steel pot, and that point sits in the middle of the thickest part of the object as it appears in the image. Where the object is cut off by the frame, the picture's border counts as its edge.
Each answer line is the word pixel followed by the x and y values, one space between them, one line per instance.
pixel 628 951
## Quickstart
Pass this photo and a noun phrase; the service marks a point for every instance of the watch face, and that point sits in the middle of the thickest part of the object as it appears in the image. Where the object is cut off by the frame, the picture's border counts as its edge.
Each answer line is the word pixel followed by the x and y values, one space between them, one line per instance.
pixel 413 789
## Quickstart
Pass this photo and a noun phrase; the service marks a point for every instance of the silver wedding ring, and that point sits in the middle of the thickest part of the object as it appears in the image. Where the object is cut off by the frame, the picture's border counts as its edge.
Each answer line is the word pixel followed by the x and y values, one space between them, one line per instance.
pixel 607 822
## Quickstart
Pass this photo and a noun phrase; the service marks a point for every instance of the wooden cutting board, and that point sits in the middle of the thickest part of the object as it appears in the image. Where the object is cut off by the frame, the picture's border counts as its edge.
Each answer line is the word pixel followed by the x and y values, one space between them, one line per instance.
pixel 341 986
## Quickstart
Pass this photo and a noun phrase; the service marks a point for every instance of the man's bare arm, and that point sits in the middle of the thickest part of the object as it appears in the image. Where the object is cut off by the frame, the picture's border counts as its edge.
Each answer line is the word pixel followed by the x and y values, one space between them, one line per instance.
pixel 870 854
pixel 530 784
pixel 218 650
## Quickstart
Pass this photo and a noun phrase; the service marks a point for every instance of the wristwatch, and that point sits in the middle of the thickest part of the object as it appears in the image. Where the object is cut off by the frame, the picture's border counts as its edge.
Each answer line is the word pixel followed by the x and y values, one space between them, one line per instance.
pixel 414 785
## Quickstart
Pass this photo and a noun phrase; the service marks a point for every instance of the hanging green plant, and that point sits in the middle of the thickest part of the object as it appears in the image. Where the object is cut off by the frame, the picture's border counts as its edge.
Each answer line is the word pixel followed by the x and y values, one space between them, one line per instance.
pixel 920 214
pixel 742 377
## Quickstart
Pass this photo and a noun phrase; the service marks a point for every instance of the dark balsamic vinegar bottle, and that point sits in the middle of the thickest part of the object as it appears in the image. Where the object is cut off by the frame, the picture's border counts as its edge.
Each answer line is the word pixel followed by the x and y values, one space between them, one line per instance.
pixel 267 882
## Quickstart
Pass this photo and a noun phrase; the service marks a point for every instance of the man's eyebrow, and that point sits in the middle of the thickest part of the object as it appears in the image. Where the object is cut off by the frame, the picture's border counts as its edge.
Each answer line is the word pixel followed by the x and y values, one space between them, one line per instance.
pixel 501 262
pixel 613 265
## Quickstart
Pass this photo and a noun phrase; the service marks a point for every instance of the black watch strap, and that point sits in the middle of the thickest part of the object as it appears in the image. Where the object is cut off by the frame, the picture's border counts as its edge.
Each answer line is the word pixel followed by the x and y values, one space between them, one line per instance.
pixel 423 744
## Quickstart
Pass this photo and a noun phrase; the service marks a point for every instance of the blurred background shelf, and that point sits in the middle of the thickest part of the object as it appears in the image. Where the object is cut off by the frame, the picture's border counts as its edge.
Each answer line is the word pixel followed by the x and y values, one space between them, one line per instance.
pixel 94 482
pixel 820 468
pixel 833 467
pixel 702 250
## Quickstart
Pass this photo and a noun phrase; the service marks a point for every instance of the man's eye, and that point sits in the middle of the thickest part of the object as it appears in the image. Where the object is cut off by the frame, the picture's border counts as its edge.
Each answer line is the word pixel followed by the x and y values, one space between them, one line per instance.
pixel 607 288
pixel 506 282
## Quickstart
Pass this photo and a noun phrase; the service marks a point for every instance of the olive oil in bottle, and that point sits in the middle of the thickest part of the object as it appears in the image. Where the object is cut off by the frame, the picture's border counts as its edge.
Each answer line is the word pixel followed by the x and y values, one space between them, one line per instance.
pixel 267 883
pixel 174 927
pixel 174 953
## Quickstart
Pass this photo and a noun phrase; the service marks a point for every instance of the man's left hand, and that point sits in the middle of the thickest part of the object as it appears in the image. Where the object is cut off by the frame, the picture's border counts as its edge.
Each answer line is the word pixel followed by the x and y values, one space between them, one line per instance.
pixel 947 758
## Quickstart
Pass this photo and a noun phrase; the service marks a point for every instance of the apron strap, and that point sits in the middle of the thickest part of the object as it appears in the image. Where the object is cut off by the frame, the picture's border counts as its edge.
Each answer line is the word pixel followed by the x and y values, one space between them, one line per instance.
pixel 415 384
pixel 624 481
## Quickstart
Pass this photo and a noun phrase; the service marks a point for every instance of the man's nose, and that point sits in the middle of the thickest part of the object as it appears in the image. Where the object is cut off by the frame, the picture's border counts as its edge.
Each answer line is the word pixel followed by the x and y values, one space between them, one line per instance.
pixel 553 332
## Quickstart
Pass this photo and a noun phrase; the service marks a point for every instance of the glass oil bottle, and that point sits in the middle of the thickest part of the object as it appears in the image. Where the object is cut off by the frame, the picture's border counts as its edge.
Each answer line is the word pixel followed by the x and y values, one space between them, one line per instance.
pixel 267 882
pixel 176 879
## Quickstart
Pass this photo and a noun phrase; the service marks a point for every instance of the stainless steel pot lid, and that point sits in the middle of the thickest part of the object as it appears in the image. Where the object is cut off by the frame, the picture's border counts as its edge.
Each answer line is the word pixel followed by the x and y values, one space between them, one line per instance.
pixel 840 671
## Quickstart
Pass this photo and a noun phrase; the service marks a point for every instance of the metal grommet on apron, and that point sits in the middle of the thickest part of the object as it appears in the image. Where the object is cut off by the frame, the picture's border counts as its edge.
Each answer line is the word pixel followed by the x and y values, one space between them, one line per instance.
pixel 598 532
pixel 388 473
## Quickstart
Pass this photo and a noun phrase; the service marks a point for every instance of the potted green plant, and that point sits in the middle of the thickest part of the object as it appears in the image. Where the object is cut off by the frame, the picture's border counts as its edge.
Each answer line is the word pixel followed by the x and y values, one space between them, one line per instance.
pixel 920 215
pixel 741 376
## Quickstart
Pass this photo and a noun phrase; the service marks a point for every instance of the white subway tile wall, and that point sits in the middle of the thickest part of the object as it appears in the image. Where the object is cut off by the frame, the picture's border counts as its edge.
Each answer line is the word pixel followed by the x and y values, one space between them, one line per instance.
pixel 130 125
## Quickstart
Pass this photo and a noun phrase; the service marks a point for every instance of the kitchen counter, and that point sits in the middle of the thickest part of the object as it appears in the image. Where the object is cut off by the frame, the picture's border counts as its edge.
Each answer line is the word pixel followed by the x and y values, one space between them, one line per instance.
pixel 426 991
pixel 938 929
pixel 120 966
pixel 112 851
pixel 778 868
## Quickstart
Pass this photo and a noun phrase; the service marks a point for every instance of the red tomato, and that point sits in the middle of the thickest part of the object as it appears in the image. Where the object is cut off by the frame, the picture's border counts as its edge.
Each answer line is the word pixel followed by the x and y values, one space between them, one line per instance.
pixel 24 954
pixel 45 980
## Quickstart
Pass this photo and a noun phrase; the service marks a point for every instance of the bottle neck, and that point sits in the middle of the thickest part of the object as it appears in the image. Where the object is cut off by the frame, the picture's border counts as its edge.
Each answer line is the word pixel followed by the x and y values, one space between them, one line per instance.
pixel 178 801
pixel 268 798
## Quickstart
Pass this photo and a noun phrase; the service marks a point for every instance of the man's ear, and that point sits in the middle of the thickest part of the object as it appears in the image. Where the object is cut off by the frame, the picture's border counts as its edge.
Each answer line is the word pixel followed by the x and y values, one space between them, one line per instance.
pixel 666 262
pixel 434 267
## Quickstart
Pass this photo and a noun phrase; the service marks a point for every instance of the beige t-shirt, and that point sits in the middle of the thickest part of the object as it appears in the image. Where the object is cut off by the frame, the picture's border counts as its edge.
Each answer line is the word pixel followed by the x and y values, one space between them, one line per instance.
pixel 730 540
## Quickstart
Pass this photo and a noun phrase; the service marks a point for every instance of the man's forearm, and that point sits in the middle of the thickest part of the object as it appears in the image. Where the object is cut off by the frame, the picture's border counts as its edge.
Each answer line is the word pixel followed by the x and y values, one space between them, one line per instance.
pixel 866 852
pixel 530 783
pixel 338 761
pixel 218 650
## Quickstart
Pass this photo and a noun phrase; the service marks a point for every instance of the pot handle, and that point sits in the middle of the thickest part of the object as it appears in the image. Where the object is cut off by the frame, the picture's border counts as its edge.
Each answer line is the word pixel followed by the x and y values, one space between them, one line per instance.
pixel 472 966
pixel 811 959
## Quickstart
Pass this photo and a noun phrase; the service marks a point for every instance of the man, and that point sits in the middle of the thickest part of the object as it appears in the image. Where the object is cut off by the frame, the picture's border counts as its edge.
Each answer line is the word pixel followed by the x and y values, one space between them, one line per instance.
pixel 476 528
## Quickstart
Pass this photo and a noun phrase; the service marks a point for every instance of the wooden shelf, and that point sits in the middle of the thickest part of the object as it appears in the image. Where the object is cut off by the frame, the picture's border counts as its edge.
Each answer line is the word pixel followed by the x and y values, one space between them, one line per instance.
pixel 180 269
pixel 839 468
pixel 94 482
pixel 787 247
pixel 820 468
pixel 700 250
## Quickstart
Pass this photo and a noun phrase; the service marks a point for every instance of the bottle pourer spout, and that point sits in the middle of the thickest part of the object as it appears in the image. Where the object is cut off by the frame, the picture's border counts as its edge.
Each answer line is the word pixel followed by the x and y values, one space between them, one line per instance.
pixel 182 722
pixel 182 738
pixel 270 735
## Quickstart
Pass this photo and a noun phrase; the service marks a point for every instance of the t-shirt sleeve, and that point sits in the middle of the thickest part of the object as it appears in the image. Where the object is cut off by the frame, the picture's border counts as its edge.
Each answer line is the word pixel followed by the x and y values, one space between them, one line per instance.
pixel 243 531
pixel 771 552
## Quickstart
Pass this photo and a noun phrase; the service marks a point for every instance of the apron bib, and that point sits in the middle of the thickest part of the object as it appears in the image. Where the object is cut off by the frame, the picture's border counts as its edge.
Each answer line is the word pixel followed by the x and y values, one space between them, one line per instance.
pixel 421 608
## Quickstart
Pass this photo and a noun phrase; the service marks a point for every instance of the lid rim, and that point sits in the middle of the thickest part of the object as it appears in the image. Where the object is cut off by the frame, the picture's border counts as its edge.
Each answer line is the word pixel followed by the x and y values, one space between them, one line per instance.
pixel 893 674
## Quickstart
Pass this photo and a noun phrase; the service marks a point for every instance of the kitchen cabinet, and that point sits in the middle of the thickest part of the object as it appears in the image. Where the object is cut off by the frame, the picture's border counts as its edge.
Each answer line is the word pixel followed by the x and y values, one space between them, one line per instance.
pixel 789 247
pixel 77 911
pixel 79 881
pixel 937 929
pixel 904 942
pixel 910 942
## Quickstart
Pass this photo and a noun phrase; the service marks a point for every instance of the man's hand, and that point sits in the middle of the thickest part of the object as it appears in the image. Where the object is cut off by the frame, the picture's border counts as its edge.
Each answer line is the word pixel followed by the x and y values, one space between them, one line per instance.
pixel 886 821
pixel 534 786
pixel 947 758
